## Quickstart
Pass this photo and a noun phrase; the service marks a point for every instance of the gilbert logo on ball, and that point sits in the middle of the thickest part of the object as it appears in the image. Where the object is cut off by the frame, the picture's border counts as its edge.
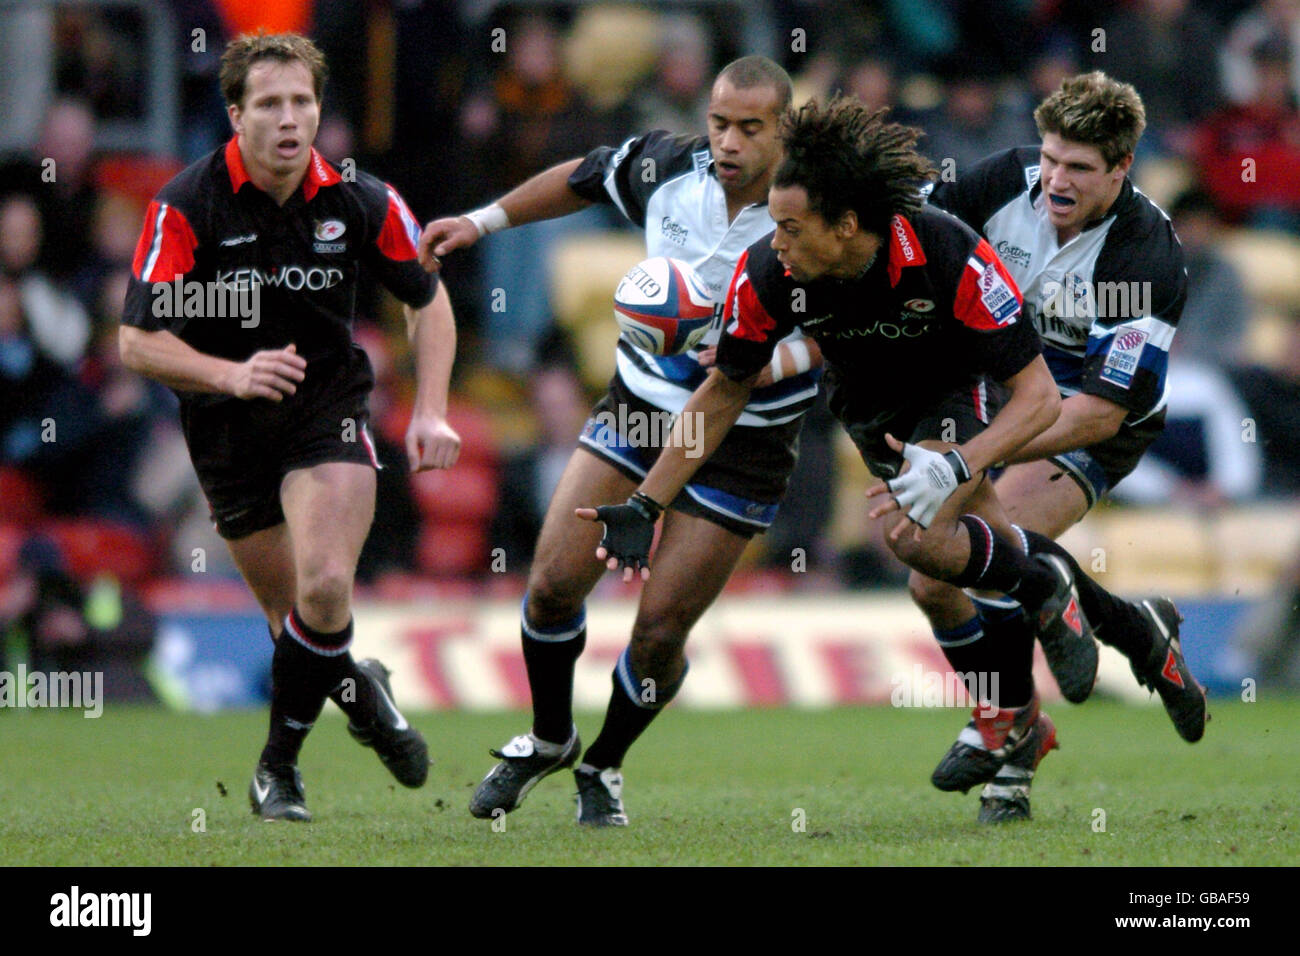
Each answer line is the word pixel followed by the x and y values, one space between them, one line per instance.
pixel 662 306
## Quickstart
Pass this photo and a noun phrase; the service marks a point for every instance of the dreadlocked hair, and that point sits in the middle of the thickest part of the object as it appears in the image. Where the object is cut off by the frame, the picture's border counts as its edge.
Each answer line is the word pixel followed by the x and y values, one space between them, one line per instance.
pixel 848 158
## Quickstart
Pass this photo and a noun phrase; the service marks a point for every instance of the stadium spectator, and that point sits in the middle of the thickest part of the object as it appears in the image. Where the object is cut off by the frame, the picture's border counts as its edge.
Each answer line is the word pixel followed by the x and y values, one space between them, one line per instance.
pixel 530 117
pixel 1272 397
pixel 1248 155
pixel 1267 18
pixel 531 476
pixel 1215 319
pixel 973 120
pixel 1202 459
pixel 56 321
pixel 679 91
pixel 1151 44
pixel 70 626
pixel 58 174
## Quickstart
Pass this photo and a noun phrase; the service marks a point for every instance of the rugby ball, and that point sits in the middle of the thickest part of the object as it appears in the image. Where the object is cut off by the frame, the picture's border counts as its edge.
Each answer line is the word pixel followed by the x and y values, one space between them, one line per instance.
pixel 662 306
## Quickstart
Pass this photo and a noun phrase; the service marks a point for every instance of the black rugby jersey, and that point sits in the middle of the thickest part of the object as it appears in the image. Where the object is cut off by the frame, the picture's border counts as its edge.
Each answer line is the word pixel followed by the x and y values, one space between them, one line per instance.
pixel 1107 302
pixel 212 228
pixel 934 313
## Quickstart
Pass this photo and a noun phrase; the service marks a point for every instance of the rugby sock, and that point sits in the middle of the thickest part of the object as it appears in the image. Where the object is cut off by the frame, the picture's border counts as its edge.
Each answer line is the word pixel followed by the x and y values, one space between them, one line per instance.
pixel 550 654
pixel 993 658
pixel 632 706
pixel 1010 636
pixel 996 565
pixel 1115 622
pixel 305 667
pixel 357 699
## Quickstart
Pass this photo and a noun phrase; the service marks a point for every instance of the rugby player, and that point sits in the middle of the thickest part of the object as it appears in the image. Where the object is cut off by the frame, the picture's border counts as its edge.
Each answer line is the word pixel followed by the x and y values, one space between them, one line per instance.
pixel 702 200
pixel 273 399
pixel 912 311
pixel 1102 275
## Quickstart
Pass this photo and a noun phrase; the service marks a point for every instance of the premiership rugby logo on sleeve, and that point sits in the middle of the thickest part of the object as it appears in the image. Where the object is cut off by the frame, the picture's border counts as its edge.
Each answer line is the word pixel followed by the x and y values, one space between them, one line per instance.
pixel 1123 356
pixel 997 296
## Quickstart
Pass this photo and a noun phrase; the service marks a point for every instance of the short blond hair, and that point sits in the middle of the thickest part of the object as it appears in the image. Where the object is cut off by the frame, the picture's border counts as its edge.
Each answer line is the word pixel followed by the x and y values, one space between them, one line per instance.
pixel 244 51
pixel 1094 109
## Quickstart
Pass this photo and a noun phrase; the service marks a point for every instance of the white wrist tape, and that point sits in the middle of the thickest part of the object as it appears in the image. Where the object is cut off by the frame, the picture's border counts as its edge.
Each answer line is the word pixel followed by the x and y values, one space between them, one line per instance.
pixel 489 219
pixel 800 358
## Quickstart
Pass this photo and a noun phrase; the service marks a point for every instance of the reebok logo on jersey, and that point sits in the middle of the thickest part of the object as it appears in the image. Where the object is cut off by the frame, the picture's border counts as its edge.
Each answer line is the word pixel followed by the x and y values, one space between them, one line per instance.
pixel 237 240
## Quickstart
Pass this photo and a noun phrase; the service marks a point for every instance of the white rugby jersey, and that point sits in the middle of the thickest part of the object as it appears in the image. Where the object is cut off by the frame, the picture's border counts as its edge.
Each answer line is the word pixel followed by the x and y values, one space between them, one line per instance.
pixel 1106 303
pixel 666 185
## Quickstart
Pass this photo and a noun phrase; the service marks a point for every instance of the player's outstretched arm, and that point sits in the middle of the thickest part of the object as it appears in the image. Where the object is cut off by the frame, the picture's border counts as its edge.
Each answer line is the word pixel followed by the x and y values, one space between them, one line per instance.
pixel 933 475
pixel 430 441
pixel 629 528
pixel 270 374
pixel 1085 420
pixel 546 196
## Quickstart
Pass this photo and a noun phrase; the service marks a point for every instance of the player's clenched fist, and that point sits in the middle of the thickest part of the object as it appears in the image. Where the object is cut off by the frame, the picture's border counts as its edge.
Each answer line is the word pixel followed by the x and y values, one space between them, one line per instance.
pixel 431 443
pixel 273 374
pixel 443 236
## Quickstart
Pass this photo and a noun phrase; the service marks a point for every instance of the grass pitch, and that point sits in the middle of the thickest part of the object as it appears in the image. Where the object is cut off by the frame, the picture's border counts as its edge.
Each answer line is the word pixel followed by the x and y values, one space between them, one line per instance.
pixel 763 787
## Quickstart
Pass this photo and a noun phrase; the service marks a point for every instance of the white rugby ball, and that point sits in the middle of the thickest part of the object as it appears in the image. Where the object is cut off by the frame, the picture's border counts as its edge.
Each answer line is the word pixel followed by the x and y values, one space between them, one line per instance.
pixel 662 306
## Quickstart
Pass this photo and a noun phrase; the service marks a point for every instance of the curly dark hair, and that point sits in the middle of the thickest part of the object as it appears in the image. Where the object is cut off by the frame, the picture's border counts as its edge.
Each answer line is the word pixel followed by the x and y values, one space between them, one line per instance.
pixel 250 48
pixel 848 158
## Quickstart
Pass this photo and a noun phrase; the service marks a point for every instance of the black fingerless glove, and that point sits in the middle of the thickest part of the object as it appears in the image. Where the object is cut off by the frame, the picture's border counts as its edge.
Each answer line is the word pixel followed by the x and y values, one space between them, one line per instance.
pixel 629 530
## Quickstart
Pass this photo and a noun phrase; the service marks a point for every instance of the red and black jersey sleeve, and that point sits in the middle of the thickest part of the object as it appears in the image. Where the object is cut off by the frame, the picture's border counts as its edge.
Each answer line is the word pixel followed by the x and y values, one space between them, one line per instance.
pixel 987 305
pixel 392 254
pixel 756 315
pixel 164 252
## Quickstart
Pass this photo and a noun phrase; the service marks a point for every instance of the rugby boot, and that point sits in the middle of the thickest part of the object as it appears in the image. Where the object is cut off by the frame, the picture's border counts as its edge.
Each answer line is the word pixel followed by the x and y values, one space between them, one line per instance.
pixel 520 769
pixel 276 793
pixel 600 798
pixel 1066 637
pixel 399 746
pixel 1166 672
pixel 1006 797
pixel 989 740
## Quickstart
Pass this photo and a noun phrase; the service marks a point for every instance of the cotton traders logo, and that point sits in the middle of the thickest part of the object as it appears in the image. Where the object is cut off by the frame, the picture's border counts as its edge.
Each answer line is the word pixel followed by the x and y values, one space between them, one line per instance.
pixel 1013 254
pixel 329 230
pixel 674 232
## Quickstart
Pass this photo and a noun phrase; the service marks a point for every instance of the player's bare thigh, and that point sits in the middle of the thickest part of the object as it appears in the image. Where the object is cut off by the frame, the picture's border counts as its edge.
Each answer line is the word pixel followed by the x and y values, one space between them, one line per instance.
pixel 691 565
pixel 328 509
pixel 564 567
pixel 265 559
pixel 1040 496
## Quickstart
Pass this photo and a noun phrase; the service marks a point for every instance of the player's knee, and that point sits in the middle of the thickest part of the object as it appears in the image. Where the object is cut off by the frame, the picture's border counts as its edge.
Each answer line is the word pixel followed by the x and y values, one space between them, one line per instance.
pixel 327 589
pixel 928 594
pixel 658 641
pixel 551 601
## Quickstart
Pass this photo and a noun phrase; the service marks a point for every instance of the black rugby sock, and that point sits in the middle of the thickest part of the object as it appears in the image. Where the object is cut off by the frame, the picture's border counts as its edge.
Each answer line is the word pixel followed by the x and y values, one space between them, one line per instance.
pixel 1114 621
pixel 998 565
pixel 305 667
pixel 632 708
pixel 1010 637
pixel 550 654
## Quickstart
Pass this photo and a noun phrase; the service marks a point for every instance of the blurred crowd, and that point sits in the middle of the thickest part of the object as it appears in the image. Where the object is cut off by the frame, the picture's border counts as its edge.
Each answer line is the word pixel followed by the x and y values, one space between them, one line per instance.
pixel 455 103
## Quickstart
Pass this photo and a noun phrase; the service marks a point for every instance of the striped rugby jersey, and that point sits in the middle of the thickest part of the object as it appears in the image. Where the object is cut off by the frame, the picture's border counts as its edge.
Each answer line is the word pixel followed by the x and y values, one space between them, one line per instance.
pixel 1106 303
pixel 666 185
